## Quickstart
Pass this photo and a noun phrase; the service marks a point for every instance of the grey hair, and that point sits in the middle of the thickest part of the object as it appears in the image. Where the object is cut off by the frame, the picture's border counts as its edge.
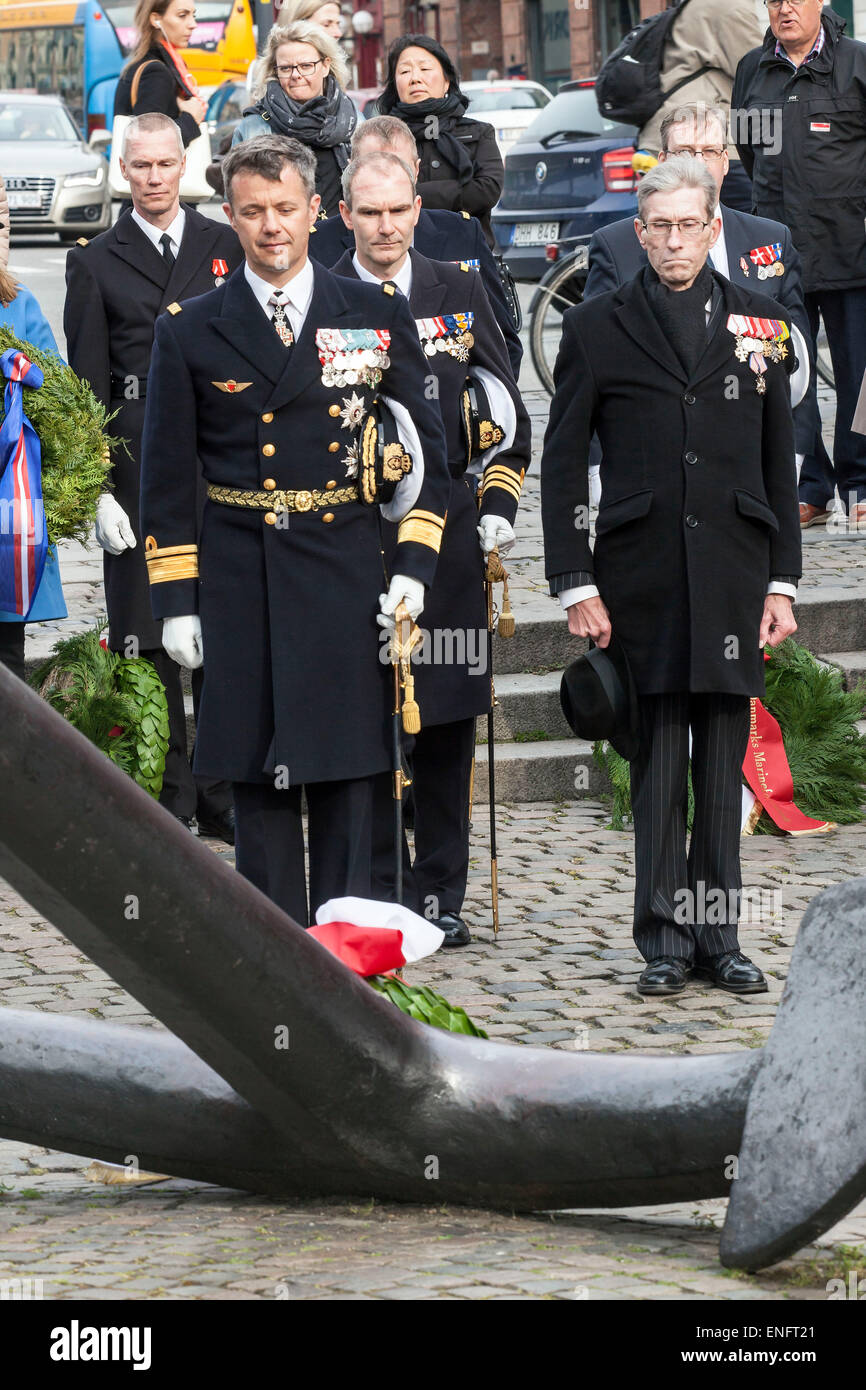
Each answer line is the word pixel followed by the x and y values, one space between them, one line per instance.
pixel 680 171
pixel 268 155
pixel 299 32
pixel 150 123
pixel 698 113
pixel 385 130
pixel 388 163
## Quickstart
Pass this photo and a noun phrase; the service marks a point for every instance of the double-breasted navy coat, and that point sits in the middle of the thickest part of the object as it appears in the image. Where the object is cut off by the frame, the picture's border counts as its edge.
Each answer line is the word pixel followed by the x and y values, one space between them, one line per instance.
pixel 451 677
pixel 293 686
pixel 116 286
pixel 699 492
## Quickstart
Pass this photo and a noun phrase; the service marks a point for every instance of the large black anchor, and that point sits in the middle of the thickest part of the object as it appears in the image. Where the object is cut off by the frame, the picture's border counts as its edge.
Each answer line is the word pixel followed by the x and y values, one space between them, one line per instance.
pixel 287 1075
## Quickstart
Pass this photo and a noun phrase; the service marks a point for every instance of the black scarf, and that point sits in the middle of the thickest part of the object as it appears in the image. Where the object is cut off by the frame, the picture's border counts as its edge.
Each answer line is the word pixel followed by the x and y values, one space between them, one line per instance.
pixel 682 313
pixel 447 111
pixel 323 122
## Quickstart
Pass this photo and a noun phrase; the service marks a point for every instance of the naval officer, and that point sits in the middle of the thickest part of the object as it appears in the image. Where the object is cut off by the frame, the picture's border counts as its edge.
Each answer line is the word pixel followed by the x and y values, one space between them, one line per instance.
pixel 268 380
pixel 462 346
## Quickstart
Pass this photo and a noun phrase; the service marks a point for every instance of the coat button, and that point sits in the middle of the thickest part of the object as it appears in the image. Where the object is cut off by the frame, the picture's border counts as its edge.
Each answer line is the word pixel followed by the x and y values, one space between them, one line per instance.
pixel 691 457
pixel 689 398
pixel 267 417
pixel 329 486
pixel 269 450
pixel 691 521
pixel 268 484
pixel 332 448
pixel 434 163
pixel 329 516
pixel 271 518
pixel 334 410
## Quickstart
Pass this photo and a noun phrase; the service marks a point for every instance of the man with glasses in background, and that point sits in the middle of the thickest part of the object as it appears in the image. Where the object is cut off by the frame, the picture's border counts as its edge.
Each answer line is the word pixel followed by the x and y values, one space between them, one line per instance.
pixel 682 374
pixel 799 113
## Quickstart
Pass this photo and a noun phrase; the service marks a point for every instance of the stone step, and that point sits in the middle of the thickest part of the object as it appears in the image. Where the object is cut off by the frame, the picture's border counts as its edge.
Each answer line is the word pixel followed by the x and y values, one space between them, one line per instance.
pixel 851 664
pixel 835 621
pixel 527 705
pixel 560 770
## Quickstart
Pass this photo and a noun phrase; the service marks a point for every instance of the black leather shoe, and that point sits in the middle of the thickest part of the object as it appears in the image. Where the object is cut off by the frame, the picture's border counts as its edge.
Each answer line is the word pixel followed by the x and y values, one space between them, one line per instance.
pixel 455 929
pixel 221 827
pixel 732 971
pixel 664 975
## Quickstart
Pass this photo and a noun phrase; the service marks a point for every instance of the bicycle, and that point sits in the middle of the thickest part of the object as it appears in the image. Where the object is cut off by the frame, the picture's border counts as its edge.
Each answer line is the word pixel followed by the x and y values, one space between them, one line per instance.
pixel 562 286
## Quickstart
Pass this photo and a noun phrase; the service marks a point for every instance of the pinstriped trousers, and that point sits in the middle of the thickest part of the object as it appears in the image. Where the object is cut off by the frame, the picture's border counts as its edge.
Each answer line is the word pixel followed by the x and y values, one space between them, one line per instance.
pixel 700 921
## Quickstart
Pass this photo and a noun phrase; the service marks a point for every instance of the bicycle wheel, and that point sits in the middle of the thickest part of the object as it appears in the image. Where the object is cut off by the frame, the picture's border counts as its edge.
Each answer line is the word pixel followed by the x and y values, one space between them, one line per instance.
pixel 823 361
pixel 560 289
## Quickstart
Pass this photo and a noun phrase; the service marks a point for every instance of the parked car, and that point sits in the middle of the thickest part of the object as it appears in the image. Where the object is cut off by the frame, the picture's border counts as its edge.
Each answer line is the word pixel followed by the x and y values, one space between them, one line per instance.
pixel 365 99
pixel 54 181
pixel 224 111
pixel 508 105
pixel 568 174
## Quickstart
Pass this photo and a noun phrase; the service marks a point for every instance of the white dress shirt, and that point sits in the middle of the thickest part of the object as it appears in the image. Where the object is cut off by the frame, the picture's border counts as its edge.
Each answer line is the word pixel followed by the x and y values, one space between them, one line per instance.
pixel 153 234
pixel 403 278
pixel 719 252
pixel 297 294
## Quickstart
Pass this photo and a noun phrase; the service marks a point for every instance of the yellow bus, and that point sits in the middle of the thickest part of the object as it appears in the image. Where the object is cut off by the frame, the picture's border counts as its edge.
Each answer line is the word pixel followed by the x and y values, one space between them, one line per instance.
pixel 223 43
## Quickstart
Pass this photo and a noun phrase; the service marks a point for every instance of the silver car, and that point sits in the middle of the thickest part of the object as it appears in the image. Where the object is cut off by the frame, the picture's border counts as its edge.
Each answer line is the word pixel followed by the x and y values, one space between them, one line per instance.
pixel 54 181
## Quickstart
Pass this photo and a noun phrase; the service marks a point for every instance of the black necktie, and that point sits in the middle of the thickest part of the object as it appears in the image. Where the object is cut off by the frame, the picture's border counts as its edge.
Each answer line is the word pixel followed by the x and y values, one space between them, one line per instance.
pixel 167 253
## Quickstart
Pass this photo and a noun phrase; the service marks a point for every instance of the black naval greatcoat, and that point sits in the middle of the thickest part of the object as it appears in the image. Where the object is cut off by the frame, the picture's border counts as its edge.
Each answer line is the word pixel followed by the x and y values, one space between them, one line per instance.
pixel 440 235
pixel 699 491
pixel 293 678
pixel 447 688
pixel 116 287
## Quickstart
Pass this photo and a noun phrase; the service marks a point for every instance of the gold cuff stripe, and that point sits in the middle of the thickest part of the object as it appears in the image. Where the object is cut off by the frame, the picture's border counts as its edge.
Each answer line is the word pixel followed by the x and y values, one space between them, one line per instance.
pixel 153 550
pixel 162 569
pixel 424 532
pixel 417 515
pixel 511 486
pixel 498 472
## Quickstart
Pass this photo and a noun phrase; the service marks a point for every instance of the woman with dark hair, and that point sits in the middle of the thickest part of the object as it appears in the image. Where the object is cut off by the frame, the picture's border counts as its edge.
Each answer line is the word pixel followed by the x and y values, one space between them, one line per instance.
pixel 301 93
pixel 156 77
pixel 461 167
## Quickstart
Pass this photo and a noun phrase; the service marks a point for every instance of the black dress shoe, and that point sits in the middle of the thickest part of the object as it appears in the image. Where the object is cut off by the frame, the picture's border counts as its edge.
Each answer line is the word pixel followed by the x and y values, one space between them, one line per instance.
pixel 664 975
pixel 220 827
pixel 733 971
pixel 455 929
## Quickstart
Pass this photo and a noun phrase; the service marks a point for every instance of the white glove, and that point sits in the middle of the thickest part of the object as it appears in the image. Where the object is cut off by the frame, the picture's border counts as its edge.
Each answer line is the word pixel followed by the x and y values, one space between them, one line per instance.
pixel 495 533
pixel 181 638
pixel 402 590
pixel 113 527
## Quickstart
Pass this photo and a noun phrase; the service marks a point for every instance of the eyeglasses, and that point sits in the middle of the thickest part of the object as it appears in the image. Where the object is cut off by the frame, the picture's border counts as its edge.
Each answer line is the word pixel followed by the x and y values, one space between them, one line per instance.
pixel 777 4
pixel 711 152
pixel 660 231
pixel 304 69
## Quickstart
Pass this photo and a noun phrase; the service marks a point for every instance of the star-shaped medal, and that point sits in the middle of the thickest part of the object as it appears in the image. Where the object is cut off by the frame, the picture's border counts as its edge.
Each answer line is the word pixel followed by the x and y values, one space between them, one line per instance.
pixel 353 411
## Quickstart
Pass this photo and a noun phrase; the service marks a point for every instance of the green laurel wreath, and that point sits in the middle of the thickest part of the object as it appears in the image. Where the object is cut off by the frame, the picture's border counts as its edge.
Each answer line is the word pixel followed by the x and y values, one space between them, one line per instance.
pixel 825 752
pixel 116 702
pixel 76 450
pixel 425 1005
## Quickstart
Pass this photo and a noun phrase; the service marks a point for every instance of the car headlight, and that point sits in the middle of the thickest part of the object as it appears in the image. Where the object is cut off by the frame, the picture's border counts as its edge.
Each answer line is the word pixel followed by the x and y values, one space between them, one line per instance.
pixel 85 178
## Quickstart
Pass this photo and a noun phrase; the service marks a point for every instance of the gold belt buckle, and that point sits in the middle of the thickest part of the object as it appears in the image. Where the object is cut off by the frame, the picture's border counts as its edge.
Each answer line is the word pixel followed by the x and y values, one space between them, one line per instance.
pixel 303 501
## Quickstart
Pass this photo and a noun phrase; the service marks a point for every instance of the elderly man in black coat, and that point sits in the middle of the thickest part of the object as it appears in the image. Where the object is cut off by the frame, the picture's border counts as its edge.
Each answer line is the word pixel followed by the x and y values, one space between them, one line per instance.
pixel 683 377
pixel 158 252
pixel 462 343
pixel 268 380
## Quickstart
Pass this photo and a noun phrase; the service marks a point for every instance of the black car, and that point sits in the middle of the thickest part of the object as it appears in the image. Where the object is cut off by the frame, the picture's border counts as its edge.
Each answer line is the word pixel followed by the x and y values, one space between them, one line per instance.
pixel 568 174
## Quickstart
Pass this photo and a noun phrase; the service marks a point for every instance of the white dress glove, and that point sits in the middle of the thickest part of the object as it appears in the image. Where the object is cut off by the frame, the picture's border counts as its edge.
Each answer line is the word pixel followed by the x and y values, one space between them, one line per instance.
pixel 113 527
pixel 181 638
pixel 495 533
pixel 402 590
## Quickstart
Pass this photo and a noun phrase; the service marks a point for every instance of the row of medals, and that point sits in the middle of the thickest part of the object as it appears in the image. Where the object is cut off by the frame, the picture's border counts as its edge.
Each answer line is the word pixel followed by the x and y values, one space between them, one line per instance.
pixel 349 368
pixel 766 272
pixel 457 344
pixel 766 347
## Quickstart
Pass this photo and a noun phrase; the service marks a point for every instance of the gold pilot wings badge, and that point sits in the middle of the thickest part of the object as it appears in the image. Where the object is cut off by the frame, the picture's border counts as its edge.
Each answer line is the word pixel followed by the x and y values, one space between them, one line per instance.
pixel 231 386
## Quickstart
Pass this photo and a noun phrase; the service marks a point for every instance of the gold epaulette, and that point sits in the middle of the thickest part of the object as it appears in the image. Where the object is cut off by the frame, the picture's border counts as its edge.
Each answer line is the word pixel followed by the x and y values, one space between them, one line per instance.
pixel 497 475
pixel 170 562
pixel 424 527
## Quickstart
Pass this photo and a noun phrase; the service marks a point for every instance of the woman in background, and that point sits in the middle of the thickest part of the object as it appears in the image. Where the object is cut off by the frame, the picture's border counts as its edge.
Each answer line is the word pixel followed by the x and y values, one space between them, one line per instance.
pixel 20 311
pixel 328 16
pixel 156 75
pixel 461 167
pixel 302 94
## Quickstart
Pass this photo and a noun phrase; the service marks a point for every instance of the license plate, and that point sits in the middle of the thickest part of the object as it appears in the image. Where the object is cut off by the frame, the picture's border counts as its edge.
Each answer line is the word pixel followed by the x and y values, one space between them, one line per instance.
pixel 24 200
pixel 535 233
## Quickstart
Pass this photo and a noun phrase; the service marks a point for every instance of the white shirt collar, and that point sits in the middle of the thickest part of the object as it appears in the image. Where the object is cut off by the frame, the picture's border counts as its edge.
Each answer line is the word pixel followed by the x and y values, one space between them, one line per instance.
pixel 719 252
pixel 153 234
pixel 298 291
pixel 403 278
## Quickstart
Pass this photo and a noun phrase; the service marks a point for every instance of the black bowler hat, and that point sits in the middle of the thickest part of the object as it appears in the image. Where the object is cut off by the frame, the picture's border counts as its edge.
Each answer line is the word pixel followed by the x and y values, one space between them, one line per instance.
pixel 599 699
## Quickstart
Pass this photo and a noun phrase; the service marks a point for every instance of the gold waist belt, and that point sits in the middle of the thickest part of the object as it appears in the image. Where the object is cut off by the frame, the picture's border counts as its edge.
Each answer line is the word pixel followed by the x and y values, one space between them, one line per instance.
pixel 279 501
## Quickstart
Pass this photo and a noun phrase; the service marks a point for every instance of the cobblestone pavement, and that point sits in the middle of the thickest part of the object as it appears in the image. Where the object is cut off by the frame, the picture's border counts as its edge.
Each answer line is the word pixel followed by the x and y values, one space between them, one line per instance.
pixel 561 973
